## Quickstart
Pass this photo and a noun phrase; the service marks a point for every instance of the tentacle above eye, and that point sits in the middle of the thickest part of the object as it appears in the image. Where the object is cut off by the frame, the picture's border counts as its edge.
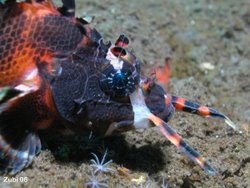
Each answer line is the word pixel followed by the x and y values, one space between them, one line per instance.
pixel 121 76
pixel 122 41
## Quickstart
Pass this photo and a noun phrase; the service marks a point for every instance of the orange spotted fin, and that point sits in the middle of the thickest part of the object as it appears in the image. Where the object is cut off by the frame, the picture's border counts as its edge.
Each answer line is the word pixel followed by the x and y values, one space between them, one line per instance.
pixel 163 73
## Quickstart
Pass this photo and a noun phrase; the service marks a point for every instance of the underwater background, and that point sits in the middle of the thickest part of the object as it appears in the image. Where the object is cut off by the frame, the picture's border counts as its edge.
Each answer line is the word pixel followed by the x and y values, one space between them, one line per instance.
pixel 209 43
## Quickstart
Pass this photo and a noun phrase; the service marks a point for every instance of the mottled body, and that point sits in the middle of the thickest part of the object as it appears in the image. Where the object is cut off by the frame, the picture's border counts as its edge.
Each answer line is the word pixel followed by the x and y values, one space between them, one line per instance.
pixel 32 35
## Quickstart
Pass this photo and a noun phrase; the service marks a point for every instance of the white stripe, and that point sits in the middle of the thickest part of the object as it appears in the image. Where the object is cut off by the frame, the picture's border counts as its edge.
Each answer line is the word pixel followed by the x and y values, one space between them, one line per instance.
pixel 141 111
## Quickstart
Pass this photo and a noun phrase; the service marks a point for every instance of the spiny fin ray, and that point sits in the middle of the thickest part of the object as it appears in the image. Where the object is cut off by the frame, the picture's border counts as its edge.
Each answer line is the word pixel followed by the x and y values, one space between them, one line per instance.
pixel 176 139
pixel 138 101
pixel 194 108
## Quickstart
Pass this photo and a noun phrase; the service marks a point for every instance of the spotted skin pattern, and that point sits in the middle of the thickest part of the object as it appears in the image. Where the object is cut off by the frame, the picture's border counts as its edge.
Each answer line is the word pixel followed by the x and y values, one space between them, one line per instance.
pixel 28 39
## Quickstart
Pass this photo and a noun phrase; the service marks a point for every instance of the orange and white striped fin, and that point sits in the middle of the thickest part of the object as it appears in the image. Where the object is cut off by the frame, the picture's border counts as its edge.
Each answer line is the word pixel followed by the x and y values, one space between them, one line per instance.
pixel 194 108
pixel 177 140
pixel 142 112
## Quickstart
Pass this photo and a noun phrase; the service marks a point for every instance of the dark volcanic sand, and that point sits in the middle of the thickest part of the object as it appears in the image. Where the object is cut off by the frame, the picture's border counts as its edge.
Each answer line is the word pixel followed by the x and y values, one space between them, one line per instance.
pixel 193 32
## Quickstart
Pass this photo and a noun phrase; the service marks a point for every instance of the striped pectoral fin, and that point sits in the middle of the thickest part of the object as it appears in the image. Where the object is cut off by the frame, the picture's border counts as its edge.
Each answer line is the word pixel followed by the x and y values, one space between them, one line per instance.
pixel 18 143
pixel 177 140
pixel 194 108
pixel 15 157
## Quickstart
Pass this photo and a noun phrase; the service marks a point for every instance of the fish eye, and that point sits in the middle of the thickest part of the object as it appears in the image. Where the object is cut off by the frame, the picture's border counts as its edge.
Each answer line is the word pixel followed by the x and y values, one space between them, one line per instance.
pixel 119 83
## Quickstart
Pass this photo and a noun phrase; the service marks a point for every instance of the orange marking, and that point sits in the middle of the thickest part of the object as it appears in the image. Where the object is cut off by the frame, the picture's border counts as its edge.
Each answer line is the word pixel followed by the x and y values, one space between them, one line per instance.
pixel 20 56
pixel 39 9
pixel 145 86
pixel 203 111
pixel 175 139
pixel 48 99
pixel 200 161
pixel 168 99
pixel 179 104
pixel 163 73
pixel 123 44
pixel 157 121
